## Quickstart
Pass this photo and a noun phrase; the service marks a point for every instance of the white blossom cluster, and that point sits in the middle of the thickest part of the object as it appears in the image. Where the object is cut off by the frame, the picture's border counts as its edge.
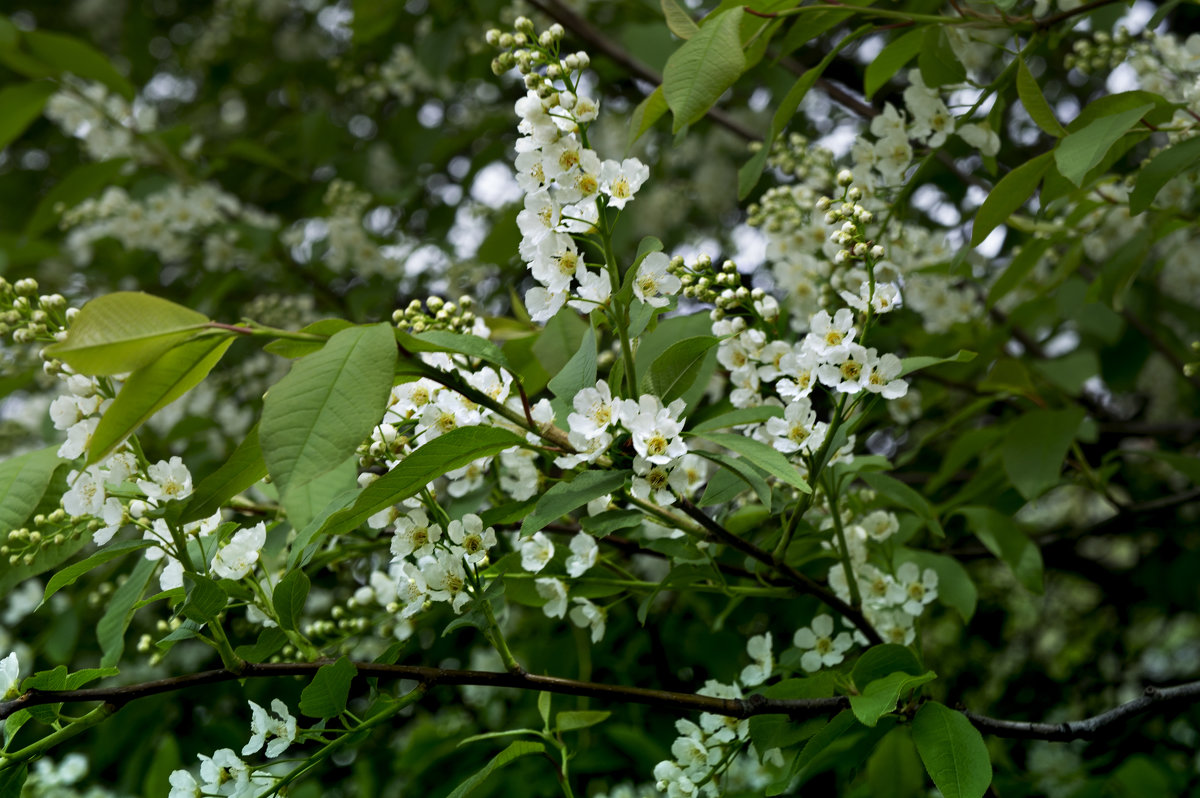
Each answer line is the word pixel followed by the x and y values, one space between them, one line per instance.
pixel 107 124
pixel 166 223
pixel 226 774
pixel 346 243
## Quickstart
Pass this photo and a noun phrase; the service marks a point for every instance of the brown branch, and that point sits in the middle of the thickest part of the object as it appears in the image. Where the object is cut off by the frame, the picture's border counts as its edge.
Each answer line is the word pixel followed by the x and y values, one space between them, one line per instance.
pixel 560 13
pixel 1054 19
pixel 803 583
pixel 1155 698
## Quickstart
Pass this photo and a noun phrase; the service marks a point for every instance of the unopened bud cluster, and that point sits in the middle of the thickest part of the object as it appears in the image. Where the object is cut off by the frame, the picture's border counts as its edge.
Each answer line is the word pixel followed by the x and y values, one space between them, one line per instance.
pixel 535 55
pixel 722 287
pixel 29 317
pixel 22 546
pixel 437 314
pixel 851 220
pixel 1104 51
pixel 1193 368
pixel 796 157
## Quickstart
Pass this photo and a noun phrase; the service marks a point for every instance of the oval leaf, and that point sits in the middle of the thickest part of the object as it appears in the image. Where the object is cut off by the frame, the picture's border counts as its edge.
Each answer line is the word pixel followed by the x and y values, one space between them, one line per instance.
pixel 567 496
pixel 1007 196
pixel 1078 152
pixel 123 332
pixel 1035 102
pixel 325 696
pixel 953 751
pixel 762 455
pixel 316 416
pixel 707 64
pixel 1169 163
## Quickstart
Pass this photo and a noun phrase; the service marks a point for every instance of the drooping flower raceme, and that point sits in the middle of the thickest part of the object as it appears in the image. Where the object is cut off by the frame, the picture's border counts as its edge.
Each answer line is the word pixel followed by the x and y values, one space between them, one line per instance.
pixel 237 557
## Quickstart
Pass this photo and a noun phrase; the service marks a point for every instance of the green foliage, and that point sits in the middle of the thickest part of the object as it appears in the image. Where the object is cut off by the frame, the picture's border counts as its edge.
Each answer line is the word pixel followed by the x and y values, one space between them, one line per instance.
pixel 952 750
pixel 325 696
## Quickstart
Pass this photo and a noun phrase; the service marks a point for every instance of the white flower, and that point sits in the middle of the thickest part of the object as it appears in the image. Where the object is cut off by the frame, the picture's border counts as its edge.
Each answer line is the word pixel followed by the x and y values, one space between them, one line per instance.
pixel 183 785
pixel 585 614
pixel 10 676
pixel 237 557
pixel 595 409
pixel 223 767
pixel 415 535
pixel 412 589
pixel 281 729
pixel 470 538
pixel 583 554
pixel 828 333
pixel 171 577
pixel 655 428
pixel 447 580
pixel 919 588
pixel 880 525
pixel 795 431
pixel 885 298
pixel 588 448
pixel 653 283
pixel 657 483
pixel 555 593
pixel 759 649
pixel 843 369
pixel 556 261
pixel 79 437
pixel 86 495
pixel 171 480
pixel 880 375
pixel 801 368
pixel 542 303
pixel 447 412
pixel 536 552
pixel 620 181
pixel 538 219
pixel 594 290
pixel 980 137
pixel 820 646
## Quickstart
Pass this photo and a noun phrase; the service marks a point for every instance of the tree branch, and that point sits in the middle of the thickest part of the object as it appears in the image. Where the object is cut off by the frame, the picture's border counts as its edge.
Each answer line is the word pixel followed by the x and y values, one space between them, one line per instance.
pixel 1156 699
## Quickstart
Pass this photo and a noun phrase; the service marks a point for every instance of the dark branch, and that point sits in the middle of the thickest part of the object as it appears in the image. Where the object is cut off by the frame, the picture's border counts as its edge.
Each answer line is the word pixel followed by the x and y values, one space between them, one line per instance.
pixel 1156 699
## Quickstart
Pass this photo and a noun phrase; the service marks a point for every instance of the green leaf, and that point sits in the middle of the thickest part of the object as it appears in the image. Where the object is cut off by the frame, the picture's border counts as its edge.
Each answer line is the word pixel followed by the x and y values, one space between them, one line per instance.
pixel 306 501
pixel 292 348
pixel 66 54
pixel 910 364
pixel 700 71
pixel 900 494
pixel 153 387
pixel 744 415
pixel 1017 270
pixel 444 453
pixel 205 599
pixel 1171 162
pixel 270 640
pixel 244 468
pixel 879 661
pixel 516 750
pixel 1035 102
pixel 647 112
pixel 19 106
pixel 880 696
pixel 325 696
pixel 1078 152
pixel 1003 538
pixel 23 482
pixel 544 700
pixel 12 778
pixel 289 597
pixel 1007 196
pixel 765 457
pixel 953 751
pixel 737 476
pixel 1035 447
pixel 316 416
pixel 894 769
pixel 579 372
pixel 955 588
pixel 110 631
pixel 938 64
pixel 780 731
pixel 891 59
pixel 568 496
pixel 124 331
pixel 579 719
pixel 68 575
pixel 679 20
pixel 611 521
pixel 1185 464
pixel 454 343
pixel 675 370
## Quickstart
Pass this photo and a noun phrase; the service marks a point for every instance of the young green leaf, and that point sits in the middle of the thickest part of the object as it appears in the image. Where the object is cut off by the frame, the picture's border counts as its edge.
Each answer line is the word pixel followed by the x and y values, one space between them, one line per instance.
pixel 675 370
pixel 737 475
pixel 244 468
pixel 123 332
pixel 110 631
pixel 1079 151
pixel 707 64
pixel 580 371
pixel 444 453
pixel 1176 160
pixel 879 661
pixel 1007 196
pixel 317 415
pixel 1035 102
pixel 19 106
pixel 743 415
pixel 567 496
pixel 580 719
pixel 900 494
pixel 289 598
pixel 515 750
pixel 1036 446
pixel 23 481
pixel 454 343
pixel 953 751
pixel 205 599
pixel 938 64
pixel 1003 538
pixel 891 59
pixel 910 364
pixel 153 387
pixel 880 696
pixel 647 112
pixel 765 457
pixel 679 20
pixel 67 576
pixel 325 696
